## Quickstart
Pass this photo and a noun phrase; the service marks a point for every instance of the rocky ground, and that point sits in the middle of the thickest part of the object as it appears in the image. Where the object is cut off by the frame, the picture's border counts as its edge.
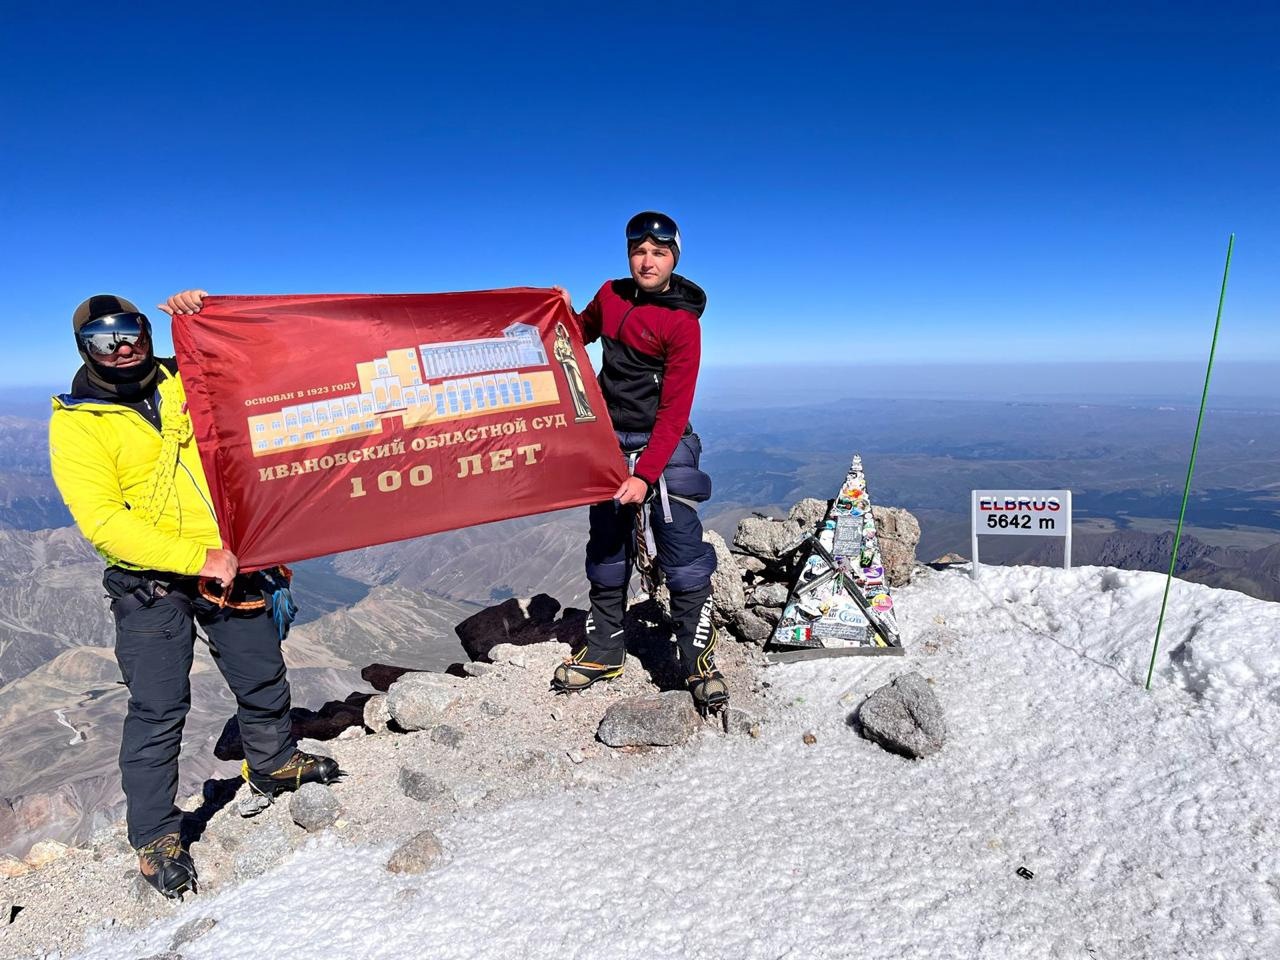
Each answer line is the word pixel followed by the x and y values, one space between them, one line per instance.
pixel 504 737
pixel 440 746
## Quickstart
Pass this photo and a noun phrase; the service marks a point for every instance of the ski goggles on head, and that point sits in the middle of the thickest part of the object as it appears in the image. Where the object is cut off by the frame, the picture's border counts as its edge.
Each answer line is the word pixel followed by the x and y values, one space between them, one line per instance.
pixel 103 336
pixel 653 224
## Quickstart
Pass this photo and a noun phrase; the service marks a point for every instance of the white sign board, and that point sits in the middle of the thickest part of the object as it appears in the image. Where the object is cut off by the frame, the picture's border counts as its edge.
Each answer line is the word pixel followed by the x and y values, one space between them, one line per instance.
pixel 1024 513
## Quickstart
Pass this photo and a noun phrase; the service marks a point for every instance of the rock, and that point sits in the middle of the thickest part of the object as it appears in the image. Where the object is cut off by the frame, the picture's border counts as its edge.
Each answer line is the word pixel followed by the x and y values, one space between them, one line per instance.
pixel 267 847
pixel 770 595
pixel 468 793
pixel 314 807
pixel 749 564
pixel 167 955
pixel 947 560
pixel 381 676
pixel 323 724
pixel 416 855
pixel 508 653
pixel 738 721
pixel 898 532
pixel 11 867
pixel 418 700
pixel 904 716
pixel 808 513
pixel 446 736
pixel 747 626
pixel 253 804
pixel 192 930
pixel 6 911
pixel 727 595
pixel 376 714
pixel 770 615
pixel 46 852
pixel 478 668
pixel 516 620
pixel 418 783
pixel 809 738
pixel 658 720
pixel 764 538
pixel 491 709
pixel 352 733
pixel 576 755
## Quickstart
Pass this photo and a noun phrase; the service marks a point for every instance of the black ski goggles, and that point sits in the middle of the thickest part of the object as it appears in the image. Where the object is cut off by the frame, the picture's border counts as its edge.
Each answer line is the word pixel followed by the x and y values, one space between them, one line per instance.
pixel 653 224
pixel 103 336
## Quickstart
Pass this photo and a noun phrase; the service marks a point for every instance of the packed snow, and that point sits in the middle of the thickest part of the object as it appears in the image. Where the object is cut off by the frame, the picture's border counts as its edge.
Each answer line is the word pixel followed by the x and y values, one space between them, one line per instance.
pixel 1148 821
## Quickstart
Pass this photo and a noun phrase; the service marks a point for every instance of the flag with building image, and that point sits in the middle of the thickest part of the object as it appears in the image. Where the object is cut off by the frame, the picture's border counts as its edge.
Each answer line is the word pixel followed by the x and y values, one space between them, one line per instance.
pixel 333 422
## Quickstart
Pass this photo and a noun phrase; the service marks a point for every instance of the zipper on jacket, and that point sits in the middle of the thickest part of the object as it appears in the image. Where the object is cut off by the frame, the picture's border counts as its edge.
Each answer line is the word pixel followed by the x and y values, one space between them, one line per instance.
pixel 623 321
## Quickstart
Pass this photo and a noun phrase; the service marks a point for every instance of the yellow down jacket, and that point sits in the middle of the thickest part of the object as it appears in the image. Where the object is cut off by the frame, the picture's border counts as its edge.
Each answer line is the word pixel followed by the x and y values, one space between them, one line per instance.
pixel 104 457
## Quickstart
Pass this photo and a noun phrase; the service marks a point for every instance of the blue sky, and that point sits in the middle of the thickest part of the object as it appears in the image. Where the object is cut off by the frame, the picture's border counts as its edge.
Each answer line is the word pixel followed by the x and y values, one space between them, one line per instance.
pixel 996 184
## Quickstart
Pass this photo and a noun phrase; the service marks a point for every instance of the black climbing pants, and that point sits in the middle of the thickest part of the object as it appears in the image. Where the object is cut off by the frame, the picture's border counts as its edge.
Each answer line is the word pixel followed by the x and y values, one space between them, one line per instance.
pixel 155 649
pixel 684 557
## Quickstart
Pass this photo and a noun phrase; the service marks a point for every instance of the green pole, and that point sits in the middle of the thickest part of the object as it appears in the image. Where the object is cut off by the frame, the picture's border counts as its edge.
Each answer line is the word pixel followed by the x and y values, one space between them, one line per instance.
pixel 1191 466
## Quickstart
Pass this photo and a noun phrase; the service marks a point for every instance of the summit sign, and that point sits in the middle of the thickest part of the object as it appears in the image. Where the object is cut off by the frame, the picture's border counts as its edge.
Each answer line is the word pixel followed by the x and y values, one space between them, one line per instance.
pixel 1027 513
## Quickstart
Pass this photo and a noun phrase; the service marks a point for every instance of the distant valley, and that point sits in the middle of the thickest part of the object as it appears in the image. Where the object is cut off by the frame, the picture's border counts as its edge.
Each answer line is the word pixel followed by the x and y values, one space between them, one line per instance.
pixel 399 602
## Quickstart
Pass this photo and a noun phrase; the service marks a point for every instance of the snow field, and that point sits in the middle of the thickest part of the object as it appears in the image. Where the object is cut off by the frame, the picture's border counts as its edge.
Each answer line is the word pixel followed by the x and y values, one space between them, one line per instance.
pixel 1150 820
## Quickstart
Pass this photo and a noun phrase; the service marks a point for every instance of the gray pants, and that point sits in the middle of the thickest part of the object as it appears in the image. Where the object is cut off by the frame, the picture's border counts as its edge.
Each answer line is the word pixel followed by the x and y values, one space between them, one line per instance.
pixel 155 647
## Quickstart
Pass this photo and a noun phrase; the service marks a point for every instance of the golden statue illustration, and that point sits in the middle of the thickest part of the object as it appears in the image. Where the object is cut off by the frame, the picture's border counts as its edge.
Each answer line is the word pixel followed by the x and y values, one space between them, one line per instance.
pixel 569 363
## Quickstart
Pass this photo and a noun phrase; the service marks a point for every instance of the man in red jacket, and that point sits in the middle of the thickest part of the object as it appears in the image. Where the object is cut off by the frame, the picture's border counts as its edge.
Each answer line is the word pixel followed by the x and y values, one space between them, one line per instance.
pixel 648 325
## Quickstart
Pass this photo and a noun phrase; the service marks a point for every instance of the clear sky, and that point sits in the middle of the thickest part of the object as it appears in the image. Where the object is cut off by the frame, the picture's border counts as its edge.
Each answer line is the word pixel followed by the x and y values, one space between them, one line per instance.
pixel 1000 183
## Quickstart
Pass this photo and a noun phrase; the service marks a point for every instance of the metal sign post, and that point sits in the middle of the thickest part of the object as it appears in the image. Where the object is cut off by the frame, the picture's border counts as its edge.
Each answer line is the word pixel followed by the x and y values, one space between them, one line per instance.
pixel 1021 513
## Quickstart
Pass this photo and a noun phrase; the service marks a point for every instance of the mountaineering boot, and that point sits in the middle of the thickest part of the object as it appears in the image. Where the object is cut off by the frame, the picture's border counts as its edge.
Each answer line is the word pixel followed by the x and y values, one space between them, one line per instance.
pixel 696 637
pixel 604 654
pixel 710 693
pixel 299 769
pixel 165 865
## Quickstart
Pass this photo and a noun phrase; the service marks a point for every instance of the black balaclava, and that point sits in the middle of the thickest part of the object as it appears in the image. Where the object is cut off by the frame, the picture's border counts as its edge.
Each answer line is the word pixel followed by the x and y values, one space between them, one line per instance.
pixel 129 384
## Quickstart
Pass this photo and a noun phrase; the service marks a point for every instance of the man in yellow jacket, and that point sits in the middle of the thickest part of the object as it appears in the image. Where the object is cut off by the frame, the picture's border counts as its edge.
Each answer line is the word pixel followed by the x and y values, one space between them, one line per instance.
pixel 126 464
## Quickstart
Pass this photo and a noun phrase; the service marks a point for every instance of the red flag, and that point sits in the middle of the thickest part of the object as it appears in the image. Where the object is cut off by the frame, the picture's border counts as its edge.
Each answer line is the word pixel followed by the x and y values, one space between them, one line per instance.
pixel 334 422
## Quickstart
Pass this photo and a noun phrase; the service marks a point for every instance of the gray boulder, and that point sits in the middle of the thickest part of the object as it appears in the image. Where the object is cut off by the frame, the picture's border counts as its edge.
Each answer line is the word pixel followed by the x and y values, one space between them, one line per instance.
pixel 764 538
pixel 770 615
pixel 751 628
pixel 6 911
pixel 808 513
pixel 770 595
pixel 313 807
pixel 748 564
pixel 727 594
pixel 904 716
pixel 376 714
pixel 898 532
pixel 416 855
pixel 418 700
pixel 654 720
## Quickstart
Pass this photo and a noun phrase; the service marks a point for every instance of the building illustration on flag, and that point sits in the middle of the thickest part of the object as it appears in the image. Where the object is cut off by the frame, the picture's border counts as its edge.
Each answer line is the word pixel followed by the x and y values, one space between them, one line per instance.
pixel 433 383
